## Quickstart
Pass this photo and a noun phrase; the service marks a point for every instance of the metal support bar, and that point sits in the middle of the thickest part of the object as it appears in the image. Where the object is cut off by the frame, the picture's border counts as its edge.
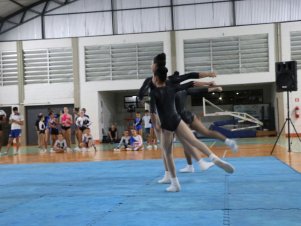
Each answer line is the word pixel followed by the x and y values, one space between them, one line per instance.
pixel 25 9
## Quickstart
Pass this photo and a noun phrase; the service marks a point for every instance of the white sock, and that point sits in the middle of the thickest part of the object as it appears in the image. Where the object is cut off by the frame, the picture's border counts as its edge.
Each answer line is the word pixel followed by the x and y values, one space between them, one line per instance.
pixel 166 178
pixel 232 144
pixel 205 165
pixel 175 185
pixel 222 164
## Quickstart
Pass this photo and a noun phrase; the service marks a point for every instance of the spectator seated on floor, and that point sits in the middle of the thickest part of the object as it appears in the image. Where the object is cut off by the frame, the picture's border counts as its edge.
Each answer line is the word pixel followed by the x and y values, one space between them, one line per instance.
pixel 87 141
pixel 136 142
pixel 113 135
pixel 60 145
pixel 124 142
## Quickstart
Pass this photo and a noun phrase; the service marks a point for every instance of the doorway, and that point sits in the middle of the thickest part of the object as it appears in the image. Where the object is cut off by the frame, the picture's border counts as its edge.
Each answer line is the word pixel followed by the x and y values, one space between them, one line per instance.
pixel 32 115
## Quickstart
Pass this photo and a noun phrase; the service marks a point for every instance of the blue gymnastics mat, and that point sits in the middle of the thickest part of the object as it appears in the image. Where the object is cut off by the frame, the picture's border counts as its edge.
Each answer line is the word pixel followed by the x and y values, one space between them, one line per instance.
pixel 262 191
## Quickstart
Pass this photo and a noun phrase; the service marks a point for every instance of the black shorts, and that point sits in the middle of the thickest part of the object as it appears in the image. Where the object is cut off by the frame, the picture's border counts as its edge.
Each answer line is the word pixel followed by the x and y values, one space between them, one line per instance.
pixel 66 127
pixel 82 128
pixel 54 131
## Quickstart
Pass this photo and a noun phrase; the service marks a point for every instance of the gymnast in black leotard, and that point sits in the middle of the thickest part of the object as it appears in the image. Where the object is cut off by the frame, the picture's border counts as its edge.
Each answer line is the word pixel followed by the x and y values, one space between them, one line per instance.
pixel 160 60
pixel 163 97
pixel 195 124
pixel 174 80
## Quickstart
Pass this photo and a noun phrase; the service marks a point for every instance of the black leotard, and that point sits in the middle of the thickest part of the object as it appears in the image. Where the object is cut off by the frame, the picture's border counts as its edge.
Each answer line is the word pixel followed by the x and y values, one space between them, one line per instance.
pixel 164 100
pixel 181 97
pixel 147 85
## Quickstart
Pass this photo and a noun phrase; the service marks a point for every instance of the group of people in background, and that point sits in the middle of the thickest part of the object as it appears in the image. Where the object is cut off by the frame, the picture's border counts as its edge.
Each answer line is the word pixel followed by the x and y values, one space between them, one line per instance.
pixel 57 129
pixel 53 129
pixel 141 130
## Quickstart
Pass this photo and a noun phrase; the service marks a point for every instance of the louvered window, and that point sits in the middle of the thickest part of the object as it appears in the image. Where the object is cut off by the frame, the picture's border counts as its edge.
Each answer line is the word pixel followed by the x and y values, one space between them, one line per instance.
pixel 227 55
pixel 120 61
pixel 296 47
pixel 8 68
pixel 48 65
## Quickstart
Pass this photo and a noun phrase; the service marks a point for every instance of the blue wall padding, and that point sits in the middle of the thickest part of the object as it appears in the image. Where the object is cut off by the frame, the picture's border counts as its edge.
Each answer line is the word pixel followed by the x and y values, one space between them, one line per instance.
pixel 234 134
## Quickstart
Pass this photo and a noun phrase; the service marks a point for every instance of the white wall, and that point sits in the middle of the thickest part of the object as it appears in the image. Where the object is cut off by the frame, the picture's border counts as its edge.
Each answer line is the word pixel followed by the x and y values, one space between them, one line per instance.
pixel 55 93
pixel 8 94
pixel 231 79
pixel 107 110
pixel 90 97
pixel 89 90
pixel 286 28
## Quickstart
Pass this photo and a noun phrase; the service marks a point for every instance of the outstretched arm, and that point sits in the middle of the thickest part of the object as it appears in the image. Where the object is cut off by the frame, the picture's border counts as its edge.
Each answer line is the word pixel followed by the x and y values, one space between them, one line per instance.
pixel 144 88
pixel 177 79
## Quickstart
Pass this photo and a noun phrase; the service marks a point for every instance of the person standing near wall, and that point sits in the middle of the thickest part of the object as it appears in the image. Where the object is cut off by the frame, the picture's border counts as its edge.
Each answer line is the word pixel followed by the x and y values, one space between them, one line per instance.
pixel 147 129
pixel 42 134
pixel 2 121
pixel 16 120
pixel 36 126
pixel 77 132
pixel 66 122
pixel 53 126
pixel 83 123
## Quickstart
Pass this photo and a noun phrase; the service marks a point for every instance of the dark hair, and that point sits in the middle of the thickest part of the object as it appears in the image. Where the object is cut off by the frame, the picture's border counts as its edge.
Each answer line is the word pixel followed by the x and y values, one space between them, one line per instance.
pixel 175 76
pixel 161 72
pixel 76 109
pixel 15 108
pixel 176 73
pixel 160 60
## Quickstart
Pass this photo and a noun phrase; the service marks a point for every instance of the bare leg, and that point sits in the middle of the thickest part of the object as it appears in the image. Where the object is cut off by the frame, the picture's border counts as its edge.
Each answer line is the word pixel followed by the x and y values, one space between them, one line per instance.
pixel 204 165
pixel 17 144
pixel 189 167
pixel 186 136
pixel 9 144
pixel 167 142
pixel 67 136
pixel 38 135
pixel 187 156
pixel 199 127
pixel 158 131
pixel 53 138
pixel 78 134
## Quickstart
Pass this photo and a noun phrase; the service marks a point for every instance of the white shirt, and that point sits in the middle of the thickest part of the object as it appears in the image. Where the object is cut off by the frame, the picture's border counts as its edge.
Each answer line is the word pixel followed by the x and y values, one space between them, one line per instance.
pixel 83 122
pixel 146 119
pixel 60 144
pixel 16 118
pixel 86 138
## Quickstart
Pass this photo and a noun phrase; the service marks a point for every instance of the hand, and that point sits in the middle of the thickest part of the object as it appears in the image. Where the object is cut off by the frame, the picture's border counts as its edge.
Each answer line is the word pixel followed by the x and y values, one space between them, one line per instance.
pixel 212 83
pixel 207 74
pixel 200 84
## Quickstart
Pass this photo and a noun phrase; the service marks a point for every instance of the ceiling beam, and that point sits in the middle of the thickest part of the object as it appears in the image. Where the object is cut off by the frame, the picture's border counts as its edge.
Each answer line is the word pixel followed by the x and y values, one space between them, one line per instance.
pixel 25 9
